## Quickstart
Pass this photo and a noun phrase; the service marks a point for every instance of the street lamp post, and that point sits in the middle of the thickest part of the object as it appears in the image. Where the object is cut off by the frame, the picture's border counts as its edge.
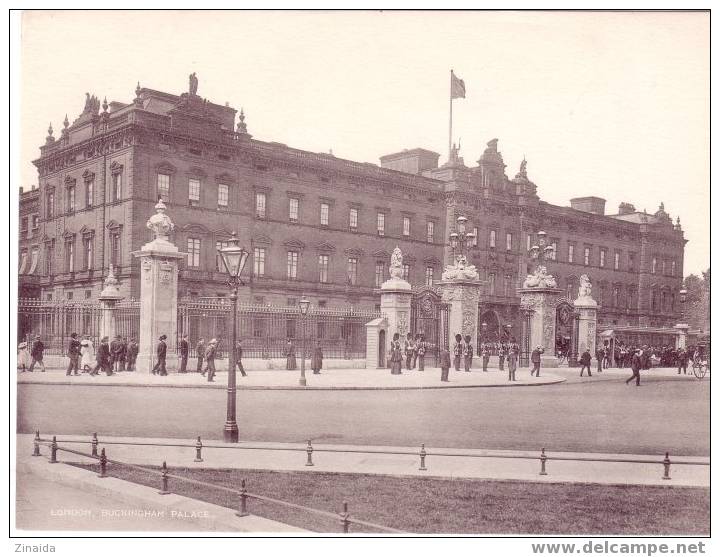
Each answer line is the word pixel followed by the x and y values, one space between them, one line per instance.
pixel 304 304
pixel 234 258
pixel 542 252
pixel 460 240
pixel 683 299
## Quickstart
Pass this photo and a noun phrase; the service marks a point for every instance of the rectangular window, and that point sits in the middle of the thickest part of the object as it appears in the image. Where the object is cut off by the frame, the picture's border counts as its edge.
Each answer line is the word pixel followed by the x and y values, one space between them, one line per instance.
pixel 193 249
pixel 259 262
pixel 528 242
pixel 429 271
pixel 260 205
pixel 406 226
pixel 292 264
pixel 89 192
pixel 115 249
pixel 476 236
pixel 654 265
pixel 406 272
pixel 381 224
pixel 23 226
pixel 553 254
pixel 379 273
pixel 223 195
pixel 324 214
pixel 353 218
pixel 88 253
pixel 49 258
pixel 352 270
pixel 163 186
pixel 71 199
pixel 50 205
pixel 323 265
pixel 293 209
pixel 194 191
pixel 506 285
pixel 493 238
pixel 491 283
pixel 219 265
pixel 672 268
pixel 117 186
pixel 35 220
pixel 69 257
pixel 616 261
pixel 586 257
pixel 508 241
pixel 616 296
pixel 430 232
pixel 571 253
pixel 603 253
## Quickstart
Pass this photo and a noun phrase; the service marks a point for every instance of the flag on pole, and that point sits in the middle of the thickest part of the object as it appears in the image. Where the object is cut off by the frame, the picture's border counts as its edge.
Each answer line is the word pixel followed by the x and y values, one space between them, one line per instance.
pixel 457 87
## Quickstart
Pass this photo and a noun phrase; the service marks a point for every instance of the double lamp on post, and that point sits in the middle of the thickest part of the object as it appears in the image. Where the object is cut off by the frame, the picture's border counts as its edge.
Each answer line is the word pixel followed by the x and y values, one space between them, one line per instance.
pixel 461 240
pixel 304 304
pixel 234 258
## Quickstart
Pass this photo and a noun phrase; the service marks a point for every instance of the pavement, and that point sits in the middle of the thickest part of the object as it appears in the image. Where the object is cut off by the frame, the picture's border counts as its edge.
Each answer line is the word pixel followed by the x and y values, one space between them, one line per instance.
pixel 396 461
pixel 331 379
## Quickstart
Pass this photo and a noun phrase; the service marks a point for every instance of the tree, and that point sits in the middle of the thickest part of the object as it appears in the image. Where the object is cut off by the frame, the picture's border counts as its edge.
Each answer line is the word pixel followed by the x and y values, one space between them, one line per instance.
pixel 697 306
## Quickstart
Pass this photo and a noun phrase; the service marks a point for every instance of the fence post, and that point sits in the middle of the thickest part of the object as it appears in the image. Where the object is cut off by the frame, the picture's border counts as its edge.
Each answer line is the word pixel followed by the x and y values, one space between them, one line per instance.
pixel 666 464
pixel 243 500
pixel 345 518
pixel 103 464
pixel 94 445
pixel 543 460
pixel 198 450
pixel 309 451
pixel 53 451
pixel 36 443
pixel 164 489
pixel 423 454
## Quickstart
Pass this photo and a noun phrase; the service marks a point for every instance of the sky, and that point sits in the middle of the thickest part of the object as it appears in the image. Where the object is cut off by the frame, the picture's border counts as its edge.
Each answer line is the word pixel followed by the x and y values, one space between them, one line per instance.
pixel 608 104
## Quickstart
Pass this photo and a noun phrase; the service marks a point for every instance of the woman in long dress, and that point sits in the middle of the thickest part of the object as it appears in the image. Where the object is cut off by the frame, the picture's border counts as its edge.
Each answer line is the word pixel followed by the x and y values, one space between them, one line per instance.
pixel 87 354
pixel 396 356
pixel 290 362
pixel 23 357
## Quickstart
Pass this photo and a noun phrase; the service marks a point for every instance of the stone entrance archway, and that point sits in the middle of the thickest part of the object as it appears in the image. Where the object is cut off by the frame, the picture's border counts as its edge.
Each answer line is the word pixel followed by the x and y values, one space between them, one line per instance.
pixel 564 328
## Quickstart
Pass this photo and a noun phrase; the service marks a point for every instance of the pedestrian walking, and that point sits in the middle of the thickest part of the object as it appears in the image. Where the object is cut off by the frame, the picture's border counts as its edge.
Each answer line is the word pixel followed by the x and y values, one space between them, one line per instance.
pixel 485 353
pixel 116 352
pixel 682 360
pixel 87 354
pixel 599 356
pixel 444 364
pixel 102 358
pixel 200 352
pixel 238 357
pixel 161 353
pixel 184 351
pixel 457 351
pixel 395 355
pixel 36 354
pixel 467 353
pixel 290 361
pixel 73 354
pixel 535 359
pixel 636 365
pixel 24 358
pixel 585 360
pixel 513 352
pixel 132 354
pixel 210 352
pixel 421 349
pixel 317 359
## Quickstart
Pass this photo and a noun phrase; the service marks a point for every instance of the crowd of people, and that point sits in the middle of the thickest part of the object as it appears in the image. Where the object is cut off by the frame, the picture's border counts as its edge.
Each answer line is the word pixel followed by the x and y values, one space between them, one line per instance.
pixel 651 356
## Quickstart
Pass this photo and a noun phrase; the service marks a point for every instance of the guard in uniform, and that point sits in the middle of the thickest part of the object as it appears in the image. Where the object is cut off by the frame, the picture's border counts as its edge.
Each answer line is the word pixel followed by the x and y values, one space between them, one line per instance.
pixel 468 353
pixel 485 353
pixel 184 351
pixel 502 354
pixel 421 349
pixel 444 364
pixel 395 355
pixel 513 352
pixel 409 351
pixel 457 352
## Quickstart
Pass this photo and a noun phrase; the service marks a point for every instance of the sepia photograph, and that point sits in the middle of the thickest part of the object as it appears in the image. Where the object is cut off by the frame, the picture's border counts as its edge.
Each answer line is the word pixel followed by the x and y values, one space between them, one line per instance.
pixel 360 273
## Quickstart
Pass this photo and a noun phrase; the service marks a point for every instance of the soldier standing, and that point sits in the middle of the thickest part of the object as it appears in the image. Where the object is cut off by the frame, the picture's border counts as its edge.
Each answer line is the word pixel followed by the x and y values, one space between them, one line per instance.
pixel 444 364
pixel 200 352
pixel 512 360
pixel 409 351
pixel 115 350
pixel 421 349
pixel 502 353
pixel 161 353
pixel 485 353
pixel 74 355
pixel 468 352
pixel 184 351
pixel 457 351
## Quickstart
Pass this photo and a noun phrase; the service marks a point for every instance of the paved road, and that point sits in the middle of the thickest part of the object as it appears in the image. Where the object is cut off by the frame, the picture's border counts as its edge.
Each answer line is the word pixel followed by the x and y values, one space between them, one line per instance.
pixel 598 415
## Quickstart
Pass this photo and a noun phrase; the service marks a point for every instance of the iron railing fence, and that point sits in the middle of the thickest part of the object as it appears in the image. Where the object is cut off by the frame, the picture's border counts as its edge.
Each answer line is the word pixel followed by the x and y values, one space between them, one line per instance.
pixel 127 319
pixel 265 330
pixel 343 517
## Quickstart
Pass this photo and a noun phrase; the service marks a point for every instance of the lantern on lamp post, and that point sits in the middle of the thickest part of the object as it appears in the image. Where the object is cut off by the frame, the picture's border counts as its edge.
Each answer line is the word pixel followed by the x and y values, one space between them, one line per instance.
pixel 460 240
pixel 234 258
pixel 304 304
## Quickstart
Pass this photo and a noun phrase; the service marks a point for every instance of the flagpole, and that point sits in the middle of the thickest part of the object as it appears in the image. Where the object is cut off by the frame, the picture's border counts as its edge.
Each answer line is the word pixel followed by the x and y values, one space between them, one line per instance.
pixel 450 130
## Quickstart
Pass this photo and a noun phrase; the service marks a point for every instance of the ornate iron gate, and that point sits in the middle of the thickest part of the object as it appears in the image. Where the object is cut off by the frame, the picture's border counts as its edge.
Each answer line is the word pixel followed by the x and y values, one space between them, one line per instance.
pixel 429 316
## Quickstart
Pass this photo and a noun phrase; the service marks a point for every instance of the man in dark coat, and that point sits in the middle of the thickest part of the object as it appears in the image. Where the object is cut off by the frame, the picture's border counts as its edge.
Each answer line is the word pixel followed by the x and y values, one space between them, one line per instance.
pixel 184 351
pixel 131 354
pixel 200 352
pixel 123 354
pixel 238 357
pixel 535 359
pixel 636 365
pixel 585 359
pixel 599 356
pixel 444 364
pixel 513 351
pixel 161 353
pixel 74 355
pixel 682 360
pixel 316 361
pixel 210 360
pixel 115 352
pixel 36 353
pixel 102 357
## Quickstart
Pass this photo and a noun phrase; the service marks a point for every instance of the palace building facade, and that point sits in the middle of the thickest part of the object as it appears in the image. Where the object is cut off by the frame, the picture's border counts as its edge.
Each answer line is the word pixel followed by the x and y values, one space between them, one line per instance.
pixel 315 224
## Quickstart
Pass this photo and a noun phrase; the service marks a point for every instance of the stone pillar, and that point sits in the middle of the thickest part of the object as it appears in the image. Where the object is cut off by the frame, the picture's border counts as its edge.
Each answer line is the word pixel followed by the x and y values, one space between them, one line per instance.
pixel 158 292
pixel 109 297
pixel 682 334
pixel 463 296
pixel 586 309
pixel 395 301
pixel 543 303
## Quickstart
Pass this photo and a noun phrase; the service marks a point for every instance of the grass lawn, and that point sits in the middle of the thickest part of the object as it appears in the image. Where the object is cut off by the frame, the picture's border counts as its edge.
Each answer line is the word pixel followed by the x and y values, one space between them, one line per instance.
pixel 433 506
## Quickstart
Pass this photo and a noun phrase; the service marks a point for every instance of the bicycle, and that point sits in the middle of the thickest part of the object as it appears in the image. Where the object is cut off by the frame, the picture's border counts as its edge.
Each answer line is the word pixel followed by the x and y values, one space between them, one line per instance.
pixel 700 368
